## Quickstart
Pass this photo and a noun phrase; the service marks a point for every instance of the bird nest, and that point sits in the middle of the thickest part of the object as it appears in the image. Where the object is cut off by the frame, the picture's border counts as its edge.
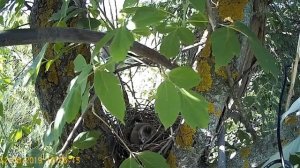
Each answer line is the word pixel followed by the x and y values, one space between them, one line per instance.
pixel 143 131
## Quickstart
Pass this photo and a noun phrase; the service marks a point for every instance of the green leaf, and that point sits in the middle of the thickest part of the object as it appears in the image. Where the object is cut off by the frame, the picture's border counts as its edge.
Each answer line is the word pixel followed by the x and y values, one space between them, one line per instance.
pixel 184 77
pixel 107 87
pixel 164 28
pixel 69 109
pixel 130 163
pixel 33 70
pixel 79 63
pixel 152 160
pixel 130 3
pixel 170 45
pixel 144 31
pixel 198 19
pixel 86 140
pixel 194 109
pixel 107 37
pixel 225 45
pixel 17 135
pixel 1 110
pixel 88 23
pixel 85 100
pixel 167 103
pixel 265 59
pixel 145 16
pixel 198 4
pixel 71 104
pixel 48 64
pixel 120 44
pixel 186 36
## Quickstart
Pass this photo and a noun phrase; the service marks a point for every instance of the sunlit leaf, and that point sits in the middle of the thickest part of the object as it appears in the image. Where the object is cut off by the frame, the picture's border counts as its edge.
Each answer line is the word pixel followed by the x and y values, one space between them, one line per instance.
pixel 184 77
pixel 152 160
pixel 79 63
pixel 264 58
pixel 170 45
pixel 120 44
pixel 167 103
pixel 198 19
pixel 130 163
pixel 108 89
pixel 86 140
pixel 194 109
pixel 225 45
pixel 186 36
pixel 129 3
pixel 198 4
pixel 145 16
pixel 107 37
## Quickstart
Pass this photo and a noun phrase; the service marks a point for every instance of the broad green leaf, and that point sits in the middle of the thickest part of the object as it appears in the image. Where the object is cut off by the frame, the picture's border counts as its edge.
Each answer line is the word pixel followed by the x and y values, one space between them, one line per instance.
pixel 1 110
pixel 130 163
pixel 79 63
pixel 88 23
pixel 170 45
pixel 86 140
pixel 198 19
pixel 184 77
pixel 186 36
pixel 71 104
pixel 199 4
pixel 264 58
pixel 33 70
pixel 120 44
pixel 194 109
pixel 69 109
pixel 225 45
pixel 129 3
pixel 167 103
pixel 107 37
pixel 85 99
pixel 152 160
pixel 144 31
pixel 164 28
pixel 108 89
pixel 145 16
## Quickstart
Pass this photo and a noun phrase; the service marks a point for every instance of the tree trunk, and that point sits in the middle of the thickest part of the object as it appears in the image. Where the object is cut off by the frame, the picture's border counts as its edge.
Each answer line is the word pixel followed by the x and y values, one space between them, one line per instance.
pixel 218 88
pixel 51 85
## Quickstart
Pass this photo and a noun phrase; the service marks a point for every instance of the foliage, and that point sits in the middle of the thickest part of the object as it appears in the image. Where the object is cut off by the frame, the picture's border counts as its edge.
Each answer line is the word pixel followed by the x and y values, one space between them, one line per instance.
pixel 175 97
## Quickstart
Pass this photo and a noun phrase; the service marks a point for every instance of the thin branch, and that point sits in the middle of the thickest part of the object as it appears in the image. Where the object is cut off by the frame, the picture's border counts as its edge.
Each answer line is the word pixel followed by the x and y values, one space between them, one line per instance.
pixel 76 126
pixel 114 132
pixel 293 77
pixel 55 34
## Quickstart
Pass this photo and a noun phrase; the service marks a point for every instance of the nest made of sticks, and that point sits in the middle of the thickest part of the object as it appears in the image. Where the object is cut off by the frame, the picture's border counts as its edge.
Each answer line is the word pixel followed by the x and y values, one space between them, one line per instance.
pixel 160 140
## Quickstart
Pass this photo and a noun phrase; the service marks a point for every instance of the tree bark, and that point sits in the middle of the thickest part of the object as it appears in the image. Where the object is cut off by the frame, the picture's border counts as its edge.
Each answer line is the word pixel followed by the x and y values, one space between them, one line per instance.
pixel 51 85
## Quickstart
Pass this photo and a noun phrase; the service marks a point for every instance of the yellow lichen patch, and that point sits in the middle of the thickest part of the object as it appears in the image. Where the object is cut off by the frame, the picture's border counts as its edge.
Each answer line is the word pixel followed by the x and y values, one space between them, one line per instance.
pixel 222 72
pixel 292 120
pixel 218 113
pixel 206 51
pixel 211 108
pixel 246 164
pixel 204 70
pixel 185 136
pixel 231 10
pixel 171 160
pixel 245 152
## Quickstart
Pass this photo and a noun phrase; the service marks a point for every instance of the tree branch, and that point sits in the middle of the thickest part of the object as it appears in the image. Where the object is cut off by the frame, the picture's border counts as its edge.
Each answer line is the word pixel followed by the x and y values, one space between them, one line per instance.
pixel 73 35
